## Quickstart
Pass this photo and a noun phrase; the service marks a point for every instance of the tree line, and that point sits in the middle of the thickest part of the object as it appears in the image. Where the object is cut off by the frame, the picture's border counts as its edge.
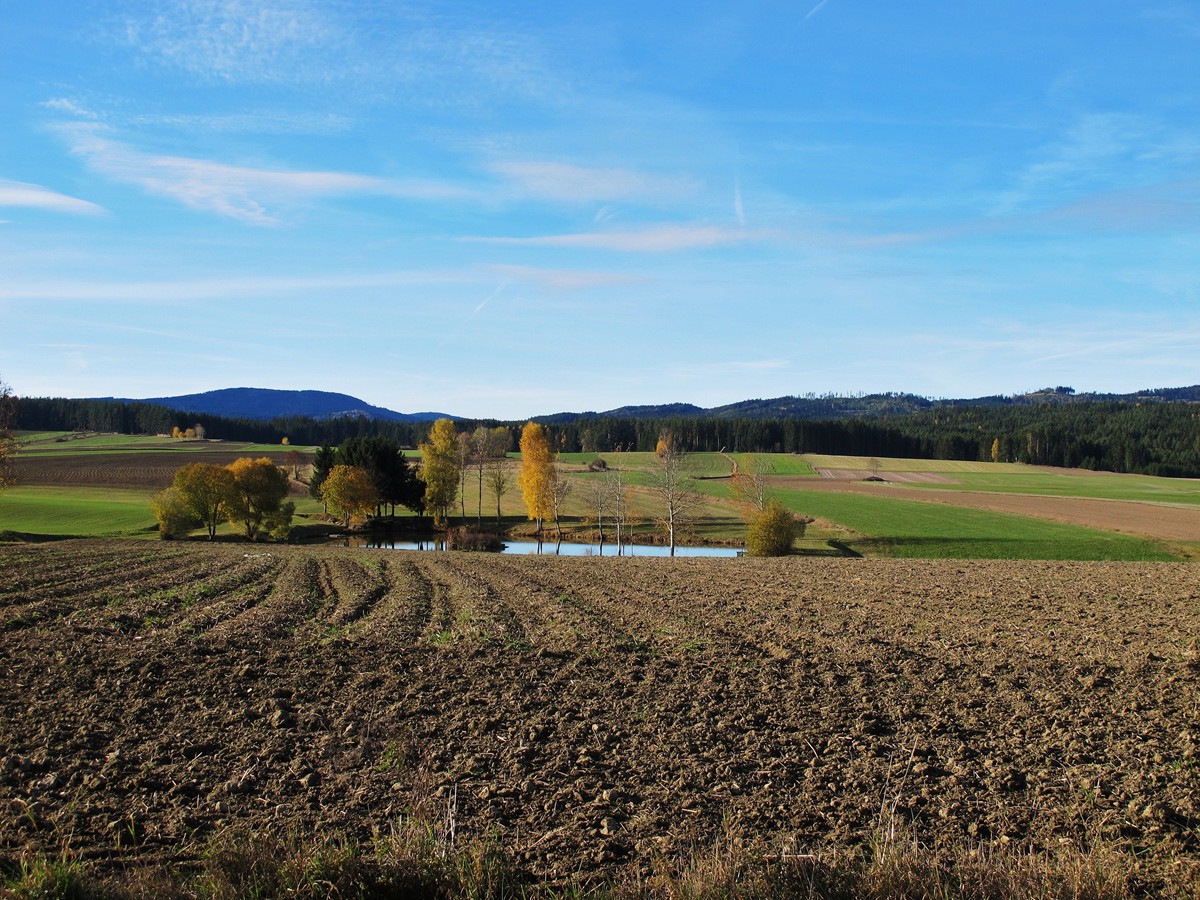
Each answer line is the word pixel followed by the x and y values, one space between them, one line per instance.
pixel 1155 438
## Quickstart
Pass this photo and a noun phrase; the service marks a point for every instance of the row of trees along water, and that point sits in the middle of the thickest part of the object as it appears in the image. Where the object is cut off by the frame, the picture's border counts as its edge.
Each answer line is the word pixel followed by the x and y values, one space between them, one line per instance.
pixel 367 476
pixel 1156 438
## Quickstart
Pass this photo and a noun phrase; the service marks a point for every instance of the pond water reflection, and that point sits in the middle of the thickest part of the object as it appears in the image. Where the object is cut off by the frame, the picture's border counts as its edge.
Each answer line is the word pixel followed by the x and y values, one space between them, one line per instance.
pixel 550 548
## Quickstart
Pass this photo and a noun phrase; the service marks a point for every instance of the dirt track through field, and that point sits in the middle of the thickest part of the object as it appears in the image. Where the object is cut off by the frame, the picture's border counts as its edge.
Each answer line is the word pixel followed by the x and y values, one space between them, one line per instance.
pixel 593 715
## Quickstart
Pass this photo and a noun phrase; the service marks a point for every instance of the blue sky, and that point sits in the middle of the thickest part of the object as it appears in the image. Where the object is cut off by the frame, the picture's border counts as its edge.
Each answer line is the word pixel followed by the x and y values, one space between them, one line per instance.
pixel 514 209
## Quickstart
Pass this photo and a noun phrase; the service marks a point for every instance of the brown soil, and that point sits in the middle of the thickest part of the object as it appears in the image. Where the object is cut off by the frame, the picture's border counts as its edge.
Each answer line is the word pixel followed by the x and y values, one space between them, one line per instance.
pixel 137 470
pixel 593 715
pixel 1154 520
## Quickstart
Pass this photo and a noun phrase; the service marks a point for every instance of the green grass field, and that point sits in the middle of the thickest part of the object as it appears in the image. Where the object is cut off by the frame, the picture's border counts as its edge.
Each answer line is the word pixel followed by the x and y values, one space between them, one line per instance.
pixel 77 512
pixel 909 528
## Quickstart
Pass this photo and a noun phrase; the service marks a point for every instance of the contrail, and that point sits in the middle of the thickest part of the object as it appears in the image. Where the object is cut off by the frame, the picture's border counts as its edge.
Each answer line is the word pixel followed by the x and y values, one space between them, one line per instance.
pixel 473 313
pixel 816 9
pixel 486 300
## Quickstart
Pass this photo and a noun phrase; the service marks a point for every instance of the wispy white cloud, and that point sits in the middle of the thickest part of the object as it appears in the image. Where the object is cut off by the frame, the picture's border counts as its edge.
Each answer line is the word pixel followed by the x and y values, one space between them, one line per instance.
pixel 70 107
pixel 234 40
pixel 1097 151
pixel 434 56
pixel 33 196
pixel 248 194
pixel 739 209
pixel 656 239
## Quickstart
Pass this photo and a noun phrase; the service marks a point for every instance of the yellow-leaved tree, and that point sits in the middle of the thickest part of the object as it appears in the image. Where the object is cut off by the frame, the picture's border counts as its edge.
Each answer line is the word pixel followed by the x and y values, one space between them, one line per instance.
pixel 349 491
pixel 537 477
pixel 204 490
pixel 258 500
pixel 440 468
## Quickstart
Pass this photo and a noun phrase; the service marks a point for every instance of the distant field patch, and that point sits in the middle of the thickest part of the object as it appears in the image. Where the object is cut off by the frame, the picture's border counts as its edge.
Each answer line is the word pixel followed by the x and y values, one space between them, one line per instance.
pixel 910 528
pixel 820 461
pixel 775 463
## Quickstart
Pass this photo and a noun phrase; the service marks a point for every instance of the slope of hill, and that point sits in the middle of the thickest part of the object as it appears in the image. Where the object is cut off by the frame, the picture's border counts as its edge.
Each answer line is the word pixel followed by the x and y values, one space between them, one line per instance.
pixel 267 403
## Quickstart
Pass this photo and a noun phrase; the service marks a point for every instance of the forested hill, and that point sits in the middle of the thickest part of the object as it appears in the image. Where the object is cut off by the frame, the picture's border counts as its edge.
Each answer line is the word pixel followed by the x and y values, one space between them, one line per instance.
pixel 866 406
pixel 265 404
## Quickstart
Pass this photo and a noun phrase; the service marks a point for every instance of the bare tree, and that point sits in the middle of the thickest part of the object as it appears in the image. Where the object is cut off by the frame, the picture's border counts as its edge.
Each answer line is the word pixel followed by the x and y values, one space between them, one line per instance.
pixel 750 482
pixel 599 497
pixel 487 444
pixel 616 487
pixel 560 488
pixel 674 486
pixel 8 444
pixel 499 479
pixel 464 449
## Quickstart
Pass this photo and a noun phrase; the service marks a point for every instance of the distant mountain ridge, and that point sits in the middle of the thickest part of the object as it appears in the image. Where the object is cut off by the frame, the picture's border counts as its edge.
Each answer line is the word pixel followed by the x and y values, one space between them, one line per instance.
pixel 267 403
pixel 832 406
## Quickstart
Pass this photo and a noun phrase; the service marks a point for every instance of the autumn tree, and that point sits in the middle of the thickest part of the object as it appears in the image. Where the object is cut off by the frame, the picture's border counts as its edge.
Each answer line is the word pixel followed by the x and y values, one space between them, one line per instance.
pixel 8 444
pixel 175 518
pixel 295 459
pixel 323 462
pixel 439 468
pixel 258 499
pixel 349 491
pixel 536 478
pixel 205 490
pixel 674 486
pixel 772 531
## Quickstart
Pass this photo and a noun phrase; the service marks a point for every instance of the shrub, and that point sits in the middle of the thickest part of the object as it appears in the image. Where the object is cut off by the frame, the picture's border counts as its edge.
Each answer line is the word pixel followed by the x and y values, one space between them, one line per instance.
pixel 771 532
pixel 473 539
pixel 175 518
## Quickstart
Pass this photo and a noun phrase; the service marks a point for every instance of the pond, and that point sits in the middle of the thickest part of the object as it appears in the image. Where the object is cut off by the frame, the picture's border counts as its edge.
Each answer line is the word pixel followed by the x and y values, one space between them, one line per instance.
pixel 549 548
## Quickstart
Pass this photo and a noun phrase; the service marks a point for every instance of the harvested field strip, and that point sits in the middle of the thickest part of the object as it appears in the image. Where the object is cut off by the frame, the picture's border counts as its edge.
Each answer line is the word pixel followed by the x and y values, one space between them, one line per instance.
pixel 541 626
pixel 69 573
pixel 563 599
pixel 433 596
pixel 493 618
pixel 237 586
pixel 466 606
pixel 401 614
pixel 356 589
pixel 119 591
pixel 295 595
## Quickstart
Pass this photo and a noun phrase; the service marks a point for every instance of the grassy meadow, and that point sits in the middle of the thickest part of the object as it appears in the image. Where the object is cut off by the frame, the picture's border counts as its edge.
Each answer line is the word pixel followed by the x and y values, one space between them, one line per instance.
pixel 869 524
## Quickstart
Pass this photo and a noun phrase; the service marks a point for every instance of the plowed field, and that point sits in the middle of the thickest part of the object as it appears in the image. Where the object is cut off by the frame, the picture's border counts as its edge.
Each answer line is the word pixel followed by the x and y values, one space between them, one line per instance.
pixel 593 714
pixel 123 470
